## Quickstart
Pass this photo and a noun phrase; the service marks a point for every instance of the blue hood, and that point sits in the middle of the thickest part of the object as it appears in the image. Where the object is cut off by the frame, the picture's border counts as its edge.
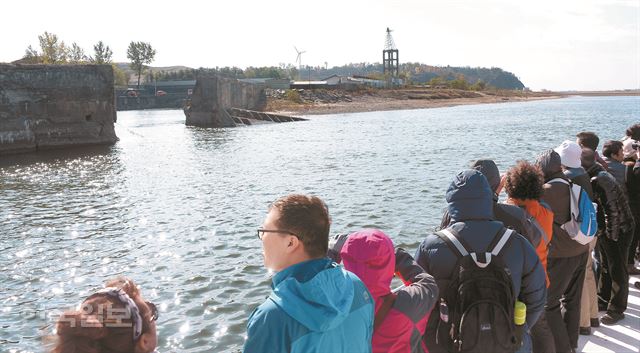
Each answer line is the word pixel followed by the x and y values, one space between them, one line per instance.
pixel 470 197
pixel 318 293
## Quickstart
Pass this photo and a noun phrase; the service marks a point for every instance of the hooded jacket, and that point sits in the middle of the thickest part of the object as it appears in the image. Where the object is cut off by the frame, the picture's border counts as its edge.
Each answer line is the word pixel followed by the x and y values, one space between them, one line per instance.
pixel 511 216
pixel 315 306
pixel 371 256
pixel 617 218
pixel 470 204
pixel 557 196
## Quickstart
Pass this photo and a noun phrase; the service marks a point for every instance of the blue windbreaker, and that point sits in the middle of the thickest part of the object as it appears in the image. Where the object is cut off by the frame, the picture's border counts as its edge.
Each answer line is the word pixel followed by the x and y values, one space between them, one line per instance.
pixel 315 306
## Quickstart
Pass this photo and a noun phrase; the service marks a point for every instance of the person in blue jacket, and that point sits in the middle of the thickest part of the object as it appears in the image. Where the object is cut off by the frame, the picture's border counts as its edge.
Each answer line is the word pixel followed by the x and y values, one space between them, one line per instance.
pixel 315 305
pixel 470 204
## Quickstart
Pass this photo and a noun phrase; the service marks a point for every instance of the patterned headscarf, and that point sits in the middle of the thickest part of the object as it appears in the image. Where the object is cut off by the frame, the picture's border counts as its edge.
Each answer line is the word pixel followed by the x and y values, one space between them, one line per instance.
pixel 132 310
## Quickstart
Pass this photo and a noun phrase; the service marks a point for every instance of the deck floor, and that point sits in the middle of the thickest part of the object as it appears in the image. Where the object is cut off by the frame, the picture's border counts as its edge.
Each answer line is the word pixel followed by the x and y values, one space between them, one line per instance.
pixel 622 337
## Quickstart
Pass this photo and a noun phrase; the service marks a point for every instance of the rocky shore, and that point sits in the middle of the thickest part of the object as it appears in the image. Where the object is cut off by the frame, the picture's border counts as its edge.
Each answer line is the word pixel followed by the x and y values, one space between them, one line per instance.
pixel 313 102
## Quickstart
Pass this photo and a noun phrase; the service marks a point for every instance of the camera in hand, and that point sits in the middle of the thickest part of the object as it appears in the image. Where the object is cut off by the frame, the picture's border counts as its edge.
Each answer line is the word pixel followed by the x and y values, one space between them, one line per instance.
pixel 635 146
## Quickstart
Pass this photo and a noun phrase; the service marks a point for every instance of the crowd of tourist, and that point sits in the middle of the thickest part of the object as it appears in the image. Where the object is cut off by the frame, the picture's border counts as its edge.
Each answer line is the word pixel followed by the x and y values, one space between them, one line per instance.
pixel 512 276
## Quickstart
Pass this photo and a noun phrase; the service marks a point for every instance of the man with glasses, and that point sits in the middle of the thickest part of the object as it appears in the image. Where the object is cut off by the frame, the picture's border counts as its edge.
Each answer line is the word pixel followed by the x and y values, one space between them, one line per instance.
pixel 315 305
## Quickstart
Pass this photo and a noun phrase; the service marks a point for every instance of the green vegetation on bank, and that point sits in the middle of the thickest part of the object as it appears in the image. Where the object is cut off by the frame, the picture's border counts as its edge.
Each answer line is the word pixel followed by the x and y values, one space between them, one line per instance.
pixel 465 78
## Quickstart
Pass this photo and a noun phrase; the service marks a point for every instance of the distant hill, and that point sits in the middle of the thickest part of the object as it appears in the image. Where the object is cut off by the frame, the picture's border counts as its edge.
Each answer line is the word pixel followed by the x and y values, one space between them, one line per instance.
pixel 422 73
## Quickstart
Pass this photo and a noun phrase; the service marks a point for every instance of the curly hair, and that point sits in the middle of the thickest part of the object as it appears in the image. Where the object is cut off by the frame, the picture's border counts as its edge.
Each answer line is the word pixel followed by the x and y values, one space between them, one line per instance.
pixel 524 181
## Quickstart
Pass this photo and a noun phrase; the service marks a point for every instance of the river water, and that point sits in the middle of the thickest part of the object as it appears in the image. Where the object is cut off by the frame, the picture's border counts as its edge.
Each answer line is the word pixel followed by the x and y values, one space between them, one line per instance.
pixel 176 208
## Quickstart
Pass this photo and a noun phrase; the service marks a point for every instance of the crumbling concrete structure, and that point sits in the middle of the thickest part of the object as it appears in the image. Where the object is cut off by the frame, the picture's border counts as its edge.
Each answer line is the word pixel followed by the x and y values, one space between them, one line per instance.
pixel 55 106
pixel 213 95
pixel 225 102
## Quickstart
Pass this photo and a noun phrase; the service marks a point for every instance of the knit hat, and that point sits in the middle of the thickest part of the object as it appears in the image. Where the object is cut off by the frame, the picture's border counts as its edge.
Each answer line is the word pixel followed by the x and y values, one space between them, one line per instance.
pixel 570 153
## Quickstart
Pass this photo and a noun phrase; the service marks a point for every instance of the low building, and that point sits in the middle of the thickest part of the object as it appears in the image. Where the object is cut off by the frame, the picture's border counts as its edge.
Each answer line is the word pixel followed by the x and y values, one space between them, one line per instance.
pixel 274 83
pixel 371 82
pixel 308 84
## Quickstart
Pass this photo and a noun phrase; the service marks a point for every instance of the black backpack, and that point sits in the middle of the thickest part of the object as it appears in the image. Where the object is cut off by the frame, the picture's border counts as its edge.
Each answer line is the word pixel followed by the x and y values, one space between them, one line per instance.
pixel 476 310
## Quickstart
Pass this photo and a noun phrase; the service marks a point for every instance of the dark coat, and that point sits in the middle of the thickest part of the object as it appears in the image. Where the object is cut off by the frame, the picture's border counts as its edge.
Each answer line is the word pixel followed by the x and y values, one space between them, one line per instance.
pixel 618 171
pixel 557 196
pixel 633 187
pixel 470 204
pixel 617 218
pixel 580 177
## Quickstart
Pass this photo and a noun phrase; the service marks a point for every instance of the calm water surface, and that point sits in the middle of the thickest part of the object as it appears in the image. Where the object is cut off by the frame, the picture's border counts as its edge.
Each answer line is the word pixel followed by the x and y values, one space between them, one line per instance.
pixel 176 207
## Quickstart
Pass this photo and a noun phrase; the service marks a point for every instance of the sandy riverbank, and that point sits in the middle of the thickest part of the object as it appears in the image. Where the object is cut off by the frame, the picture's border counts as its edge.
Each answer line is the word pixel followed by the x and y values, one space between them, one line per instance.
pixel 382 100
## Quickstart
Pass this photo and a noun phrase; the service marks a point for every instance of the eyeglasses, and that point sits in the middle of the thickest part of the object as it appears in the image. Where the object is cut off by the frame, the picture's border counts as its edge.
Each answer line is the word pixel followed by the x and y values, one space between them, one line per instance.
pixel 262 231
pixel 154 311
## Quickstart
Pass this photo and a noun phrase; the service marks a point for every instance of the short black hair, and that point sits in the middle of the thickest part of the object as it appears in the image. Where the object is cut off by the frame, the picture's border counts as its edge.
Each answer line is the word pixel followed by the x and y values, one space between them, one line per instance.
pixel 634 132
pixel 588 139
pixel 611 147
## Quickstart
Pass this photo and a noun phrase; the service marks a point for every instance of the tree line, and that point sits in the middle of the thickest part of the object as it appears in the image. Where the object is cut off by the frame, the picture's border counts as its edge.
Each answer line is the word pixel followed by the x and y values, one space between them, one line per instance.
pixel 55 51
pixel 278 72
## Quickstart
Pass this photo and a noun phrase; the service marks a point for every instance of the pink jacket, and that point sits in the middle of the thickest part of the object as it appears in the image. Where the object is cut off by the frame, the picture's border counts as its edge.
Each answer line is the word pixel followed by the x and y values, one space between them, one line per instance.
pixel 370 255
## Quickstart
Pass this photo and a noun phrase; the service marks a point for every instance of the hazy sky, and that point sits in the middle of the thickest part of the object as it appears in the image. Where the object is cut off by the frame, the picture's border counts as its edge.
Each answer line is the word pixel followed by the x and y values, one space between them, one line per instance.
pixel 550 44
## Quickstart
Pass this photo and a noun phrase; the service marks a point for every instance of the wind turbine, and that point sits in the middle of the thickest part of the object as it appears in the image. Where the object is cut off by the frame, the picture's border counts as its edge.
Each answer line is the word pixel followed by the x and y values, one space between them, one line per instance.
pixel 299 57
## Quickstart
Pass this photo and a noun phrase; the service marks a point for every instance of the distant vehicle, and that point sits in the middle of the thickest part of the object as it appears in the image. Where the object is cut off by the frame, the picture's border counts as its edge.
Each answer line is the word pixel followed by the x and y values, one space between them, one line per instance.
pixel 132 93
pixel 160 93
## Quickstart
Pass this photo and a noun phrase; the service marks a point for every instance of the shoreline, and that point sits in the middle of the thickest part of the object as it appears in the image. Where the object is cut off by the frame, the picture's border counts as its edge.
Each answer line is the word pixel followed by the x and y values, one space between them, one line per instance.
pixel 361 104
pixel 410 99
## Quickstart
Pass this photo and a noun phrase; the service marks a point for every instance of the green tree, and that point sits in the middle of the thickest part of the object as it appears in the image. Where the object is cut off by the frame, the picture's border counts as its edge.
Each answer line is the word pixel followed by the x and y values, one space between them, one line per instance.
pixel 31 56
pixel 76 54
pixel 459 83
pixel 120 77
pixel 140 54
pixel 436 81
pixel 53 50
pixel 102 54
pixel 479 86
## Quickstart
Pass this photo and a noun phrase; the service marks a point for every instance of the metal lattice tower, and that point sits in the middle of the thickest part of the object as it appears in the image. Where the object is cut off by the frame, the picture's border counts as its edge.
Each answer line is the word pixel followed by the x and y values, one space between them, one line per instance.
pixel 389 44
pixel 390 61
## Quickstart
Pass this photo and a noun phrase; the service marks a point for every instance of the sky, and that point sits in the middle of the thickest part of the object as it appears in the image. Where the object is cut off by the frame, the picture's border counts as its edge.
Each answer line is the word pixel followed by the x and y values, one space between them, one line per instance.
pixel 547 44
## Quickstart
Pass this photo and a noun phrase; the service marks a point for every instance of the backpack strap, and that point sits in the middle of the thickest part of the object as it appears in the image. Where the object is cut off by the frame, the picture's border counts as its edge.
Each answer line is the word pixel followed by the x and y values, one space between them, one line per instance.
pixel 500 241
pixel 387 304
pixel 453 240
pixel 459 246
pixel 559 180
pixel 502 238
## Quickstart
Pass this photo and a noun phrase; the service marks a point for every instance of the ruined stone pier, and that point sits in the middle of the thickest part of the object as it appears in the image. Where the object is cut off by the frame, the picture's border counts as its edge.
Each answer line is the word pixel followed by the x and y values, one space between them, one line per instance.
pixel 55 106
pixel 225 102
